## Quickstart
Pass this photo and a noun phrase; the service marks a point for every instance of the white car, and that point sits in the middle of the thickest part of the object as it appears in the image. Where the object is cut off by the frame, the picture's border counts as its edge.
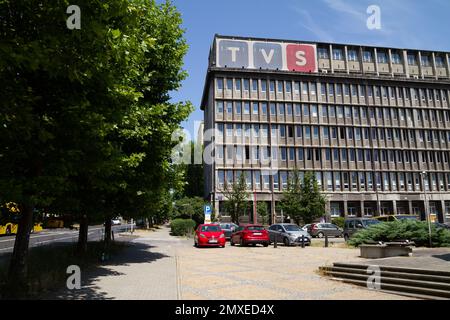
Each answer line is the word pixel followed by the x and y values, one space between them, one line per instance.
pixel 116 221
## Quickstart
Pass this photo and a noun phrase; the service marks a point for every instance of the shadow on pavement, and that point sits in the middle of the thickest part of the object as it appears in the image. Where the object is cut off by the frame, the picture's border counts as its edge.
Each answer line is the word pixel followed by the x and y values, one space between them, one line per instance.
pixel 135 253
pixel 445 257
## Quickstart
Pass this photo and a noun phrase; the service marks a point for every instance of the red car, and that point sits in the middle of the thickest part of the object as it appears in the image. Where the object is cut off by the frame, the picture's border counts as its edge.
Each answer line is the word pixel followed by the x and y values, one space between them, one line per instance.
pixel 250 234
pixel 209 235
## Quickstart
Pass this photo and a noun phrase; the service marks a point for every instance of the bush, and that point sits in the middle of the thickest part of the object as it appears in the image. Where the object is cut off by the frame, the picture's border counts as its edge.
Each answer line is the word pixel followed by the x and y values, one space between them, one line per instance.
pixel 338 221
pixel 182 227
pixel 416 231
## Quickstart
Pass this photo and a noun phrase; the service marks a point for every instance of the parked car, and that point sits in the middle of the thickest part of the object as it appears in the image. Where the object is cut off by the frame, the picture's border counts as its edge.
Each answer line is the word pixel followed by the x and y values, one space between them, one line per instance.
pixel 116 221
pixel 250 234
pixel 209 235
pixel 321 230
pixel 306 226
pixel 399 217
pixel 353 225
pixel 228 229
pixel 442 225
pixel 289 234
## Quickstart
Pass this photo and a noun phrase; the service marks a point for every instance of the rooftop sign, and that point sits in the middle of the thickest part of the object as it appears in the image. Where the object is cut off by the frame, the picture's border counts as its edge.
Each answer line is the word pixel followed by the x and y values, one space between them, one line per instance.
pixel 266 55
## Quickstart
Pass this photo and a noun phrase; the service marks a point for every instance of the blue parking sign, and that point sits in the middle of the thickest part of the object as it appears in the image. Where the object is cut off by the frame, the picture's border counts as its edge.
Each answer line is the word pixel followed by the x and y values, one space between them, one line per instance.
pixel 207 209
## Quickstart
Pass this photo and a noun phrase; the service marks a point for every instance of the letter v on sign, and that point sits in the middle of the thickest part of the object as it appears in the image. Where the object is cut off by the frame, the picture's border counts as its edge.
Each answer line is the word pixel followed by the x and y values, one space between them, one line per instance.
pixel 267 57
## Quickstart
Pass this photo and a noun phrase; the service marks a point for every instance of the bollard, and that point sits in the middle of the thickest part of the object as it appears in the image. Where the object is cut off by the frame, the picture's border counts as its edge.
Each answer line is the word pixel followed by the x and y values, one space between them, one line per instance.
pixel 303 241
pixel 275 244
pixel 326 241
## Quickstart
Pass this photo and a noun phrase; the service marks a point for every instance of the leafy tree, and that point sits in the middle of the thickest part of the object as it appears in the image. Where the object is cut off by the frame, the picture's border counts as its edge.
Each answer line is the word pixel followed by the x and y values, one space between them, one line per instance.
pixel 263 211
pixel 86 113
pixel 190 208
pixel 194 176
pixel 236 196
pixel 302 200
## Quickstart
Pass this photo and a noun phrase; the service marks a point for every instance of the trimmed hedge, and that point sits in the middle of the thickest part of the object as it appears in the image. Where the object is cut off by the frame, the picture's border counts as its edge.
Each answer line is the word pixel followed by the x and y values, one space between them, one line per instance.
pixel 182 227
pixel 416 231
pixel 338 221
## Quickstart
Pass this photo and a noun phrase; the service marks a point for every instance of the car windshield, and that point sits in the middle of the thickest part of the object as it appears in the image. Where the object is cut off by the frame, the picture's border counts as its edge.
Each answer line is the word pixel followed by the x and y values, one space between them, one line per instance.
pixel 210 228
pixel 292 227
pixel 368 223
pixel 407 217
pixel 225 226
pixel 255 228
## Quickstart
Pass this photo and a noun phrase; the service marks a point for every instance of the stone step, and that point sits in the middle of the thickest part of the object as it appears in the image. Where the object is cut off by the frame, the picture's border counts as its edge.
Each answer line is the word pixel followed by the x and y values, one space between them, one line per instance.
pixel 398 290
pixel 393 274
pixel 442 288
pixel 395 269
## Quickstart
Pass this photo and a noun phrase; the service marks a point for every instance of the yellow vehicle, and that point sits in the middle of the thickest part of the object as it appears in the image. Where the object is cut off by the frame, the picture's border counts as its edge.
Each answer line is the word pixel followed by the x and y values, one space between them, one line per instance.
pixel 9 219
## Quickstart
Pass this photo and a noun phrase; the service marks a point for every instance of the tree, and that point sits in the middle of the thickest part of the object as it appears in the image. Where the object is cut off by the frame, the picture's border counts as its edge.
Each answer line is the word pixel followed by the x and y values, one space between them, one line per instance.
pixel 190 208
pixel 86 112
pixel 263 211
pixel 194 176
pixel 302 200
pixel 236 196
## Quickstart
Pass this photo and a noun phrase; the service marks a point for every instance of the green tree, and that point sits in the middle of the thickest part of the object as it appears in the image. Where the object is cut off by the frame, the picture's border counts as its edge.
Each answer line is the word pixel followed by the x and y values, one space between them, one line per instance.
pixel 190 208
pixel 86 112
pixel 263 211
pixel 236 196
pixel 302 200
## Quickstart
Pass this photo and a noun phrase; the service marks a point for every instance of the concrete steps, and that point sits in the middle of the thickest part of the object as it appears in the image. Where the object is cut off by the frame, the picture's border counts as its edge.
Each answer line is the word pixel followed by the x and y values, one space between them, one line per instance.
pixel 422 284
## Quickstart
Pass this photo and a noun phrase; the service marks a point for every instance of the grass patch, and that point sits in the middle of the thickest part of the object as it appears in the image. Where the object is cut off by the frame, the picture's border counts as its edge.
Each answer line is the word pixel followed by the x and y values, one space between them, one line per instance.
pixel 47 266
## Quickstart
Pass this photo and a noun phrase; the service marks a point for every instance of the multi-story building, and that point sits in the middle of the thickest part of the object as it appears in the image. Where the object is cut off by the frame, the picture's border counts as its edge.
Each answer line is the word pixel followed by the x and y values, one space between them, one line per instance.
pixel 372 123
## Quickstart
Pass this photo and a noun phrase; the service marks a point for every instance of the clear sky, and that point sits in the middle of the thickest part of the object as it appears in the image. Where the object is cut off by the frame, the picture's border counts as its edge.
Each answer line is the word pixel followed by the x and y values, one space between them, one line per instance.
pixel 414 24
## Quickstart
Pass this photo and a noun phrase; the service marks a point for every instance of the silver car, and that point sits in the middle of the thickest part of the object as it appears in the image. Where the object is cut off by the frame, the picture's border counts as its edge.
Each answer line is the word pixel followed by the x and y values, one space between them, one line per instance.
pixel 289 234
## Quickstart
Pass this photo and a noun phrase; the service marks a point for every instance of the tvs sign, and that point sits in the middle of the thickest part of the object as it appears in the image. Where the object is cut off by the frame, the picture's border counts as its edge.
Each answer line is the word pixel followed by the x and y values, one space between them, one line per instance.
pixel 266 55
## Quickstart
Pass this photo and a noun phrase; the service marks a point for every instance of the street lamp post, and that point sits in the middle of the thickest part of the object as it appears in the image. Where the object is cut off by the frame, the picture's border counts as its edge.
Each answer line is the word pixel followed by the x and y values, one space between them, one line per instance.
pixel 427 212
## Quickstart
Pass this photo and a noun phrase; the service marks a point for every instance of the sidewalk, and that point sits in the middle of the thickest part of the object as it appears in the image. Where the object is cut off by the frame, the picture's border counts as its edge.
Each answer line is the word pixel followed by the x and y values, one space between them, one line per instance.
pixel 146 270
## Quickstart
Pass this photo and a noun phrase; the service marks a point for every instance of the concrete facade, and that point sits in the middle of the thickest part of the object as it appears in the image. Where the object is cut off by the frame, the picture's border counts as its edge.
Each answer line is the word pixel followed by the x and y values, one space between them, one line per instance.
pixel 373 124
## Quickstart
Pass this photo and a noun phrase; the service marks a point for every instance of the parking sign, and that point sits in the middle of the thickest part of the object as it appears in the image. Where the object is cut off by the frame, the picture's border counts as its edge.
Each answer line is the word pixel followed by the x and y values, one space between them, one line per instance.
pixel 207 209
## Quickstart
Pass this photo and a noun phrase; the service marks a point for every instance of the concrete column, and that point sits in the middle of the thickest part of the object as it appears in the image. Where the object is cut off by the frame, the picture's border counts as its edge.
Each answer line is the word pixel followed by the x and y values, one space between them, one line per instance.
pixel 394 206
pixel 405 63
pixel 345 208
pixel 433 60
pixel 410 207
pixel 361 58
pixel 442 210
pixel 447 62
pixel 346 60
pixel 331 59
pixel 376 61
pixel 391 68
pixel 362 208
pixel 420 64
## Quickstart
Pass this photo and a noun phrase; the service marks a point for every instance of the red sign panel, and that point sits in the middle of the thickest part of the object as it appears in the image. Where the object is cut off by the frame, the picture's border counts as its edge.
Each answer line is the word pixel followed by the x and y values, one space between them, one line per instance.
pixel 301 57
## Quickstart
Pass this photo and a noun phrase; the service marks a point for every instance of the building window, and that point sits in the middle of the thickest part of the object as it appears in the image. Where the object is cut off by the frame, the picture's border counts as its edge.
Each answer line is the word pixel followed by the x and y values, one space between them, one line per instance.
pixel 382 57
pixel 281 109
pixel 352 55
pixel 273 110
pixel 300 154
pixel 323 53
pixel 425 61
pixel 439 62
pixel 219 106
pixel 396 58
pixel 230 107
pixel 254 85
pixel 238 107
pixel 280 87
pixel 288 87
pixel 367 56
pixel 230 84
pixel 246 107
pixel 337 54
pixel 255 108
pixel 263 85
pixel 246 84
pixel 272 86
pixel 412 60
pixel 219 82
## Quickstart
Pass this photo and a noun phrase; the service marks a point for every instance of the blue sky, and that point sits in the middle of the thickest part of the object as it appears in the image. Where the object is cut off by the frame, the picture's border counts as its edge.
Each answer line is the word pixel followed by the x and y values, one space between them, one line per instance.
pixel 411 24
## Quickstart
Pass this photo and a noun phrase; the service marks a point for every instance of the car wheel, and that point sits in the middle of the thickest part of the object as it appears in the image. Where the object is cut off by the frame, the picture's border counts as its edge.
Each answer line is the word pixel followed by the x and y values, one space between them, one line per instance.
pixel 320 235
pixel 231 243
pixel 286 242
pixel 242 243
pixel 266 244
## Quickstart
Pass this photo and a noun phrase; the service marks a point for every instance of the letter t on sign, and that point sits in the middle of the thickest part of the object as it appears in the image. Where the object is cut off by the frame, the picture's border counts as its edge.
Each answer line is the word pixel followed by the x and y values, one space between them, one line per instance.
pixel 233 53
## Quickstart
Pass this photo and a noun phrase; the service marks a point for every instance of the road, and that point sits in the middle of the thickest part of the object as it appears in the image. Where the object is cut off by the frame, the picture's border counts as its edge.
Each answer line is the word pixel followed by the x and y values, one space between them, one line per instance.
pixel 48 236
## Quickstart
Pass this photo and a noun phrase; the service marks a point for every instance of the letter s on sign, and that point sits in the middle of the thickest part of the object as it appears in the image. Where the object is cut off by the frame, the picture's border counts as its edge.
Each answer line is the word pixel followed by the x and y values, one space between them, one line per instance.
pixel 301 57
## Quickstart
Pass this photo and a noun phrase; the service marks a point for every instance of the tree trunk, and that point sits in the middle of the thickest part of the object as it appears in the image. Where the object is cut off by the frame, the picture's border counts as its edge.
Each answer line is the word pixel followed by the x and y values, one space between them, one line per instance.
pixel 107 232
pixel 18 268
pixel 147 224
pixel 83 235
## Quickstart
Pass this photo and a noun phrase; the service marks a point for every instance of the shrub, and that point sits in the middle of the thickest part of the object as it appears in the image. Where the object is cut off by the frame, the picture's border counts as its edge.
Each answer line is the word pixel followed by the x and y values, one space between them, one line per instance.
pixel 338 221
pixel 182 227
pixel 416 231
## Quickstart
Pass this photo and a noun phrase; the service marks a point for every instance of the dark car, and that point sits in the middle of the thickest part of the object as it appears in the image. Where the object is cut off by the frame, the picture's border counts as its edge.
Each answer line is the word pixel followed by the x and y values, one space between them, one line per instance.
pixel 321 230
pixel 353 225
pixel 228 228
pixel 250 234
pixel 289 234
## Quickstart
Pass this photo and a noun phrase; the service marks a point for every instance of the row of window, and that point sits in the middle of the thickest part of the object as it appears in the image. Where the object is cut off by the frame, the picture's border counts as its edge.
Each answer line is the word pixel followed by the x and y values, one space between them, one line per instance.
pixel 265 153
pixel 332 89
pixel 330 132
pixel 358 113
pixel 368 56
pixel 340 181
